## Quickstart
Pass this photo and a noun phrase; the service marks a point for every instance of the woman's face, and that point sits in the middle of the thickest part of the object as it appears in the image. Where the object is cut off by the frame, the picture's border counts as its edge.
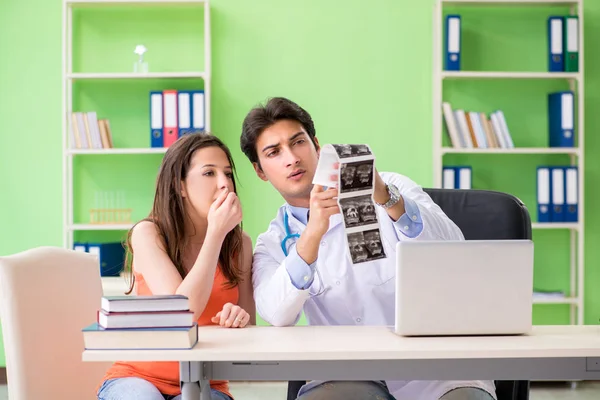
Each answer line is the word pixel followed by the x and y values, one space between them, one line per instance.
pixel 210 173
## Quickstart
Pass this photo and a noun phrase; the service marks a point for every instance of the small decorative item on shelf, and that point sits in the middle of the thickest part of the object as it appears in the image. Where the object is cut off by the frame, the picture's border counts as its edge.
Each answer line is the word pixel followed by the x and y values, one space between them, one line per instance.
pixel 109 209
pixel 140 66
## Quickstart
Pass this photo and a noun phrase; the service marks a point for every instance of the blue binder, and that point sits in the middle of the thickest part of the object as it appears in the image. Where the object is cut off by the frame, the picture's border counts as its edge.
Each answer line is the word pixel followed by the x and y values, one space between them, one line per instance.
pixel 198 110
pixel 184 110
pixel 452 44
pixel 571 194
pixel 156 119
pixel 556 52
pixel 464 177
pixel 557 176
pixel 111 257
pixel 561 119
pixel 449 178
pixel 544 190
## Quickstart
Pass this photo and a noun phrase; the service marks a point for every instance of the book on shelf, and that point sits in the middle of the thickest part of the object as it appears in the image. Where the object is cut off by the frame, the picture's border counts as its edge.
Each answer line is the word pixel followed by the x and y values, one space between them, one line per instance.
pixel 89 132
pixel 548 294
pixel 471 129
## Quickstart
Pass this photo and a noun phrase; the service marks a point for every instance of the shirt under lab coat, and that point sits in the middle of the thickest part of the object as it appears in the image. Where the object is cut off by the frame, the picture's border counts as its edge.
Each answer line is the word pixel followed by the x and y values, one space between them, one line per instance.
pixel 341 293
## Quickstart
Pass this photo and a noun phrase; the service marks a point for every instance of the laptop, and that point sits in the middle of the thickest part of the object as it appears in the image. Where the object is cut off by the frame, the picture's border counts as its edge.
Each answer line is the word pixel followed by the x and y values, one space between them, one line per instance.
pixel 471 287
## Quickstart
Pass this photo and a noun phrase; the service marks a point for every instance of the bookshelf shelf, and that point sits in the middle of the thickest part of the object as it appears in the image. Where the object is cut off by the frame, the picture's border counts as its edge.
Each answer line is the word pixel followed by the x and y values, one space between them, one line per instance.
pixel 512 3
pixel 99 227
pixel 509 75
pixel 150 150
pixel 556 225
pixel 517 150
pixel 558 300
pixel 482 131
pixel 132 75
pixel 88 3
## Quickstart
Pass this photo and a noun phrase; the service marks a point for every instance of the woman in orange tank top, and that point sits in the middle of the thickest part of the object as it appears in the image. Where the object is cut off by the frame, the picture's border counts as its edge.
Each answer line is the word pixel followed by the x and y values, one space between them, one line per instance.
pixel 192 244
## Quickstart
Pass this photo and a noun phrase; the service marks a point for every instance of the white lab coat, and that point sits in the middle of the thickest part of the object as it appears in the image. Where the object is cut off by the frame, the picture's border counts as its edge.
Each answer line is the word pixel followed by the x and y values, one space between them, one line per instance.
pixel 361 294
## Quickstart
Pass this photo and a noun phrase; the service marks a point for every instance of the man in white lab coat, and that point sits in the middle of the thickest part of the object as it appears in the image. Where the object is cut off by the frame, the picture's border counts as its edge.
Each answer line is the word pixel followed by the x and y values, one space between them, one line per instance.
pixel 301 262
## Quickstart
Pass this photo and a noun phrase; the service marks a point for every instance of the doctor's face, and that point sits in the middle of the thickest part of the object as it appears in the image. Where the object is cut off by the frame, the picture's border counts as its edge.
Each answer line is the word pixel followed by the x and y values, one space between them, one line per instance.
pixel 288 159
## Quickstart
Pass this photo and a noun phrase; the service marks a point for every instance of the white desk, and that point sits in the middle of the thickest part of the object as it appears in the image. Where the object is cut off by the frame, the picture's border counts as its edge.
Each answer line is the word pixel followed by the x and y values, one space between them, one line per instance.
pixel 373 353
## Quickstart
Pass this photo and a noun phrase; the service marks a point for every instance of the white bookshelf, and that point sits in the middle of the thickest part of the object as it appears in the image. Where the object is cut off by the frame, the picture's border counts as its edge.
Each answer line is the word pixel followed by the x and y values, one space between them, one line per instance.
pixel 112 3
pixel 512 3
pixel 518 150
pixel 150 150
pixel 131 75
pixel 508 75
pixel 115 285
pixel 576 155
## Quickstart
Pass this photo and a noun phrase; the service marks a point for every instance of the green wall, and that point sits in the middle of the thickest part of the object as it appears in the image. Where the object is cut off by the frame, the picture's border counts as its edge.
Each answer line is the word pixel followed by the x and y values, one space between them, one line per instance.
pixel 364 73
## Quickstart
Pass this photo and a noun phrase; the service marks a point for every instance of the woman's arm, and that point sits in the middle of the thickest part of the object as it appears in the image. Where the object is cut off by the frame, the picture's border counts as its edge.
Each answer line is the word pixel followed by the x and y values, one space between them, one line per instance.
pixel 246 301
pixel 152 260
pixel 244 313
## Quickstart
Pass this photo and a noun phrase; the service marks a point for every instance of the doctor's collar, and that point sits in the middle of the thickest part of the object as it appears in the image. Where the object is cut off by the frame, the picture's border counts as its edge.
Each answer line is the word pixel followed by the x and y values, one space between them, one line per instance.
pixel 300 213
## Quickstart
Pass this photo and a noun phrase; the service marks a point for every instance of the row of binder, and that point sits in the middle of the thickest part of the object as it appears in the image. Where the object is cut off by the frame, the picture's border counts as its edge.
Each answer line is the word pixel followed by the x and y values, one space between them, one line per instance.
pixel 557 193
pixel 457 177
pixel 175 113
pixel 563 43
pixel 471 129
pixel 89 132
pixel 111 256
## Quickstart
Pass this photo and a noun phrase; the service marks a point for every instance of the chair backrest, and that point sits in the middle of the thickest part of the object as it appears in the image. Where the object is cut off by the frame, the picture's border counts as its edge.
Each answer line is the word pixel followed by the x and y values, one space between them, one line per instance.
pixel 47 295
pixel 484 214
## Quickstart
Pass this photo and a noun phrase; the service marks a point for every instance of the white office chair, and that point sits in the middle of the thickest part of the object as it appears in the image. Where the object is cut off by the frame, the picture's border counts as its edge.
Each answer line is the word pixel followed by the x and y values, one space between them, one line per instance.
pixel 47 295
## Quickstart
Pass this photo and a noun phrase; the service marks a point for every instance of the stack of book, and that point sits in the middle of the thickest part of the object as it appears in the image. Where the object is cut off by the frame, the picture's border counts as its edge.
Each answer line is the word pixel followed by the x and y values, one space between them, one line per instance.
pixel 142 322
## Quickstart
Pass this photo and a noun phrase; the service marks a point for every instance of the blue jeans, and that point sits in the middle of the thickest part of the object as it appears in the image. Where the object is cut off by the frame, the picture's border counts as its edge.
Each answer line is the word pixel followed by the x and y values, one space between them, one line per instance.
pixel 141 389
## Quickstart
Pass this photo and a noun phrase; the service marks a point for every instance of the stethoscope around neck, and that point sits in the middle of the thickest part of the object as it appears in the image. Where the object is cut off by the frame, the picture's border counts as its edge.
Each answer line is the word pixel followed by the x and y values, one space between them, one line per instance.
pixel 290 236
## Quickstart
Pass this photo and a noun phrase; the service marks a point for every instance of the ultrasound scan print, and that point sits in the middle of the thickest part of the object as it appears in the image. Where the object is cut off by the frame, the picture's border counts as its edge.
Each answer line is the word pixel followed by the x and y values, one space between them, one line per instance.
pixel 360 150
pixel 357 247
pixel 343 150
pixel 373 244
pixel 356 176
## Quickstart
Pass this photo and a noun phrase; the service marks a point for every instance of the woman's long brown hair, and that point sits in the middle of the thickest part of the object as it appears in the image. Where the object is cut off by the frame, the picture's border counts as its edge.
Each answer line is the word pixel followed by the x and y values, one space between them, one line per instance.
pixel 169 216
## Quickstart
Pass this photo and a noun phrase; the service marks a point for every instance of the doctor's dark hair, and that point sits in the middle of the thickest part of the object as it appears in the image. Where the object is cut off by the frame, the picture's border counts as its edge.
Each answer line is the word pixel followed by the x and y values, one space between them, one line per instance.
pixel 263 116
pixel 170 218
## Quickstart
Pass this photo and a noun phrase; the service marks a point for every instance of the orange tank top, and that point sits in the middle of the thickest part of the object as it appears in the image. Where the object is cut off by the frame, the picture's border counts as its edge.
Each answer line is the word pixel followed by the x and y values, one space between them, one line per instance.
pixel 165 375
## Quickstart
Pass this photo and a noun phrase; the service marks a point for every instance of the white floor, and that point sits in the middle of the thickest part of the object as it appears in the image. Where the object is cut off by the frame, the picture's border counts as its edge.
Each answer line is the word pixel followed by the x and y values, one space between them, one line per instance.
pixel 278 391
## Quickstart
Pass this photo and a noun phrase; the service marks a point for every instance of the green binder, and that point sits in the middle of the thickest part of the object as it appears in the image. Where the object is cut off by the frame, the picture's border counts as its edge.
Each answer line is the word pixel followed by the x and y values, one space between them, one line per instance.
pixel 571 43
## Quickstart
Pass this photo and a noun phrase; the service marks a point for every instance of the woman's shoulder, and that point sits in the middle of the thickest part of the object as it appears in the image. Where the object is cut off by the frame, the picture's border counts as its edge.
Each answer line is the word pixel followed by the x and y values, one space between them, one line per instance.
pixel 246 248
pixel 144 232
pixel 246 239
